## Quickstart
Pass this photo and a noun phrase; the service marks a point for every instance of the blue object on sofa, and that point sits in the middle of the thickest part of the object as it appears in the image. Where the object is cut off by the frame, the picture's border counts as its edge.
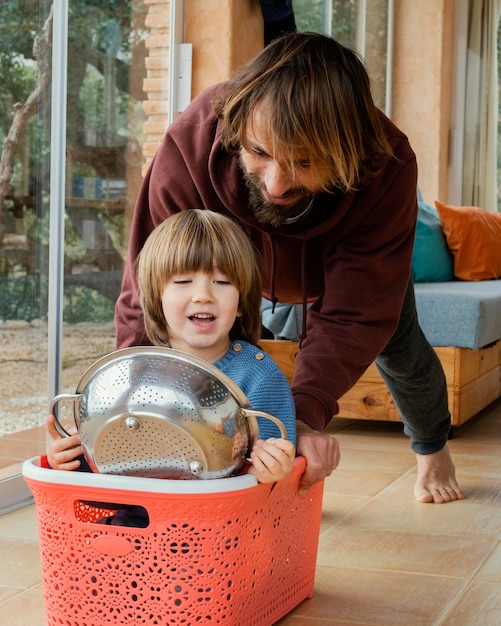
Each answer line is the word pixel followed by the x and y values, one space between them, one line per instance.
pixel 458 313
pixel 432 261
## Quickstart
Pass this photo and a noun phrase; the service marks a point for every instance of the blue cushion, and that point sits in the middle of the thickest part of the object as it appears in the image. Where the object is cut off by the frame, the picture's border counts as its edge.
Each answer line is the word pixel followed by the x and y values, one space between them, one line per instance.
pixel 432 260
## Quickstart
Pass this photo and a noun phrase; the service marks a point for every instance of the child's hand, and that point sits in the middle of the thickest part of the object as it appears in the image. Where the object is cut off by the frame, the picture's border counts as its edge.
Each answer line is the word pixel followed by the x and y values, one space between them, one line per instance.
pixel 62 452
pixel 272 459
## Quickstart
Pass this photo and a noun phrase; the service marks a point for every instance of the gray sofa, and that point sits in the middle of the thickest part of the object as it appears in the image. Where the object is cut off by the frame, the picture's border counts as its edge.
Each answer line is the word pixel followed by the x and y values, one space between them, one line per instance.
pixel 460 313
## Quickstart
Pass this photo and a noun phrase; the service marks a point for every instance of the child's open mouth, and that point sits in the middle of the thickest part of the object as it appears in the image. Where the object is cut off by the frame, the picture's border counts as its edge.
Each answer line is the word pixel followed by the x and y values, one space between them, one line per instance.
pixel 202 318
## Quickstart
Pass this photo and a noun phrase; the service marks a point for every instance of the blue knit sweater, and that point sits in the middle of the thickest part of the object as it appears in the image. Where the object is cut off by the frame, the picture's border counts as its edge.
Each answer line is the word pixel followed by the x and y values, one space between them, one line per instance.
pixel 266 388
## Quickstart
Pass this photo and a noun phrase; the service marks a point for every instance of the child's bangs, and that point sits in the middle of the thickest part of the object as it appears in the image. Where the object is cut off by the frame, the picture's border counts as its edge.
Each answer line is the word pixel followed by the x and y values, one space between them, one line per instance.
pixel 203 251
pixel 226 258
pixel 189 257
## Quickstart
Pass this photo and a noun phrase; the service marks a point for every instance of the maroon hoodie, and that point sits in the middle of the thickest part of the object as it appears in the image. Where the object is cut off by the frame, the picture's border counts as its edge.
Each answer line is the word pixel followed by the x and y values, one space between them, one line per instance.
pixel 351 257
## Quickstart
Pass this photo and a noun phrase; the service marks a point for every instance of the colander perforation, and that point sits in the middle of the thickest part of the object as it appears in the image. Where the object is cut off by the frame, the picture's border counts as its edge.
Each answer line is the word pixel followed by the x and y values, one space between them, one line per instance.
pixel 222 448
pixel 212 393
pixel 149 452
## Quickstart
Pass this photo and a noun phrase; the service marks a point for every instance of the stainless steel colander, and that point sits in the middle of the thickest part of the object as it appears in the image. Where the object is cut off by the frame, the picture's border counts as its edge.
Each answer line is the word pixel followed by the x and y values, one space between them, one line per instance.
pixel 159 412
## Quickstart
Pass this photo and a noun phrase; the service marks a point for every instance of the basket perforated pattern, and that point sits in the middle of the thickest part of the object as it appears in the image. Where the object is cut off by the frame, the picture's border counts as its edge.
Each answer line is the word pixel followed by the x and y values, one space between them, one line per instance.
pixel 242 558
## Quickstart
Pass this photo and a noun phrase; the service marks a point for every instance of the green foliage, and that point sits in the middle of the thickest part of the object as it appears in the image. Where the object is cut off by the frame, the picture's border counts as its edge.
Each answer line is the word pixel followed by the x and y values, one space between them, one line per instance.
pixel 23 298
pixel 91 98
pixel 102 37
pixel 18 81
pixel 82 304
pixel 309 15
pixel 26 297
pixel 99 30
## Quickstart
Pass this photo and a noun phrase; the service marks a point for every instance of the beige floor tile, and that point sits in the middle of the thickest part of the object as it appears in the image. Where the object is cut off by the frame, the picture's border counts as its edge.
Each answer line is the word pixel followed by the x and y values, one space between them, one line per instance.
pixel 21 523
pixel 24 609
pixel 36 433
pixel 383 559
pixel 482 463
pixel 20 563
pixel 393 510
pixel 371 459
pixel 7 593
pixel 294 620
pixel 5 463
pixel 480 489
pixel 491 569
pixel 19 449
pixel 378 430
pixel 359 482
pixel 9 469
pixel 439 555
pixel 336 507
pixel 379 439
pixel 482 427
pixel 480 605
pixel 467 447
pixel 482 486
pixel 477 488
pixel 355 596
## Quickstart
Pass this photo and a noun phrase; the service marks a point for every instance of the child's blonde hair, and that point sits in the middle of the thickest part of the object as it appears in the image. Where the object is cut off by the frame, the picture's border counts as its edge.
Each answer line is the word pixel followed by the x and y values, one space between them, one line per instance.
pixel 199 240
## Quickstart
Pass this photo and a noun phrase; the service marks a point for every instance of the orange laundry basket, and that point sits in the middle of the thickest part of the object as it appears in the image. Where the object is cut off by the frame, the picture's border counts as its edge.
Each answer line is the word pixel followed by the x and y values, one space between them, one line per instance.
pixel 226 551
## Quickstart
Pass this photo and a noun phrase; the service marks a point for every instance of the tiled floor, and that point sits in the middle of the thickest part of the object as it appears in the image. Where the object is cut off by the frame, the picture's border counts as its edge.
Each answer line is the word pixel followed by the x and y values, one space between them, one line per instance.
pixel 383 558
pixel 16 447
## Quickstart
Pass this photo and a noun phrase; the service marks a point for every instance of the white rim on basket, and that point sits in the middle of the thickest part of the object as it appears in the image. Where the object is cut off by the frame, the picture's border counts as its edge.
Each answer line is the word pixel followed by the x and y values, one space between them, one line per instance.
pixel 33 470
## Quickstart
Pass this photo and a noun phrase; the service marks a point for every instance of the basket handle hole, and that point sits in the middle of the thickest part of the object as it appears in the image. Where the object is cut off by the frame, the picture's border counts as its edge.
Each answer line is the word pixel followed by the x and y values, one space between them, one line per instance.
pixel 111 514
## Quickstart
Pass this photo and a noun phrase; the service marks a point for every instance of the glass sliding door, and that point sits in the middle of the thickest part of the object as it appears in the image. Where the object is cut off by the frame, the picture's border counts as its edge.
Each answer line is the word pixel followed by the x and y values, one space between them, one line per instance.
pixel 104 157
pixel 25 67
pixel 102 154
pixel 363 25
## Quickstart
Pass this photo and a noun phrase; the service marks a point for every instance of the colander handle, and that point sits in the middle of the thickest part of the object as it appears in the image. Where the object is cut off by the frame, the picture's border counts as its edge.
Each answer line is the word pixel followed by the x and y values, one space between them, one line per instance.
pixel 62 396
pixel 268 416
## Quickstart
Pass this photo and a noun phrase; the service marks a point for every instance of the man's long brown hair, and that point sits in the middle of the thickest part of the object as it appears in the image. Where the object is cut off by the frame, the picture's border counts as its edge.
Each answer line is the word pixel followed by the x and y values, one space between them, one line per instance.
pixel 316 99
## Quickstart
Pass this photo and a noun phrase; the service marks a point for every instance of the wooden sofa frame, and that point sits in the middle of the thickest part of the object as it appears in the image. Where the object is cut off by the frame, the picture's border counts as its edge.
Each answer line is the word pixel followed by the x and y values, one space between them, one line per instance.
pixel 473 382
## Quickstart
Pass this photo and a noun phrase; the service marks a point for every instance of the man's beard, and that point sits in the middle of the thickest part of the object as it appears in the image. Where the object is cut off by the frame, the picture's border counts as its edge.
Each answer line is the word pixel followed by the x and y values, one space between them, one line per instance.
pixel 274 214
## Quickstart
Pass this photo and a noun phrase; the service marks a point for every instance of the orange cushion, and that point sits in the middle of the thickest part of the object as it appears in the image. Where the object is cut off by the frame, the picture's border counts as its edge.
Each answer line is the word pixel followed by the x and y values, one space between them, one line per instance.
pixel 473 236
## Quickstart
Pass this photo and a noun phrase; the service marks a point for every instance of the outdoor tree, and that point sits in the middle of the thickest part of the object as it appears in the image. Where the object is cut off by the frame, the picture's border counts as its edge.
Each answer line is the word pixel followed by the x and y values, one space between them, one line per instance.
pixel 100 31
pixel 104 79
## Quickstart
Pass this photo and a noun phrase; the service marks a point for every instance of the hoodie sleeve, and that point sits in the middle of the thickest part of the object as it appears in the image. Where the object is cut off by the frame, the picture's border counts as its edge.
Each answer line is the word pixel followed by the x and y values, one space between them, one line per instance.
pixel 366 274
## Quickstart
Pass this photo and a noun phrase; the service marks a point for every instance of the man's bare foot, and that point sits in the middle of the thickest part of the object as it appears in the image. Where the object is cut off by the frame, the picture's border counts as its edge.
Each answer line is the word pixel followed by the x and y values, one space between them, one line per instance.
pixel 436 478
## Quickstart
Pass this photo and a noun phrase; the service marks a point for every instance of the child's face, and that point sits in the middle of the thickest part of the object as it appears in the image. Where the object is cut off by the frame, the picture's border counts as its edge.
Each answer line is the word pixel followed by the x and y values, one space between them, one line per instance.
pixel 200 310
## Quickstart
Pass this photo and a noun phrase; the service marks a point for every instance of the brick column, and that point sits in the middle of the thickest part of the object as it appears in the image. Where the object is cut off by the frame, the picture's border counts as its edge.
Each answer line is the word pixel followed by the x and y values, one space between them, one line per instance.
pixel 156 83
pixel 225 34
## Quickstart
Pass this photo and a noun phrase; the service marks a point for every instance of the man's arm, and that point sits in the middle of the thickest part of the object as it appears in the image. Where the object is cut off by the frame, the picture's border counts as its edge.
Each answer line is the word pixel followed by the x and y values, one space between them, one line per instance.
pixel 366 275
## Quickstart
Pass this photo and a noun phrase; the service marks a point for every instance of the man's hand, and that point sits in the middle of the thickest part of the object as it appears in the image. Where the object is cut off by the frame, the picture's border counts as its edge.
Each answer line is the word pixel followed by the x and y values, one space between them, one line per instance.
pixel 321 453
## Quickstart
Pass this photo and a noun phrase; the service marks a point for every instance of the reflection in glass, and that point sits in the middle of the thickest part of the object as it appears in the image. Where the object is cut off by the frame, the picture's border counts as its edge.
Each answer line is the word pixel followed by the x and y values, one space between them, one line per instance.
pixel 106 70
pixel 357 24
